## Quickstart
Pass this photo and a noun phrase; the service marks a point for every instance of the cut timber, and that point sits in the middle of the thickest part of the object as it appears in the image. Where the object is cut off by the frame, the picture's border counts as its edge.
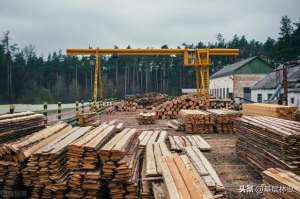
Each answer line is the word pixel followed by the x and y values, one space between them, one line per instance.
pixel 86 119
pixel 268 142
pixel 178 143
pixel 272 110
pixel 174 124
pixel 146 118
pixel 196 121
pixel 204 168
pixel 289 181
pixel 151 137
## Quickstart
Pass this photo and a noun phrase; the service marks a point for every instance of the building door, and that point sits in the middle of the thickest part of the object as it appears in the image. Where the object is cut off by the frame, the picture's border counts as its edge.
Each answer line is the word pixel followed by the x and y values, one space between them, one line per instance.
pixel 247 93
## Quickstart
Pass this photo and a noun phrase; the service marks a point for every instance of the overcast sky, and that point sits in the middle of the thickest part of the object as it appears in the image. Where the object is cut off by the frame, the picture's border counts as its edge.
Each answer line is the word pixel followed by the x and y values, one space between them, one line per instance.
pixel 51 25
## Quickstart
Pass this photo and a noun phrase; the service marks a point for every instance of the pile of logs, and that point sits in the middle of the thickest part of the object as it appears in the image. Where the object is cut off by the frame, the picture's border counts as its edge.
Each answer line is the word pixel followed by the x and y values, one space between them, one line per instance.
pixel 45 171
pixel 224 119
pixel 196 121
pixel 84 163
pixel 146 118
pixel 272 110
pixel 266 142
pixel 281 184
pixel 178 143
pixel 121 164
pixel 88 119
pixel 13 126
pixel 149 99
pixel 14 154
pixel 170 109
pixel 126 106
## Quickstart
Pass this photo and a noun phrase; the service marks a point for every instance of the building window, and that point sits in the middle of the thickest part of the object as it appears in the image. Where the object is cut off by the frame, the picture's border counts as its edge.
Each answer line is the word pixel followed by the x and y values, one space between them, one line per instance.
pixel 292 100
pixel 269 95
pixel 227 92
pixel 259 97
pixel 220 92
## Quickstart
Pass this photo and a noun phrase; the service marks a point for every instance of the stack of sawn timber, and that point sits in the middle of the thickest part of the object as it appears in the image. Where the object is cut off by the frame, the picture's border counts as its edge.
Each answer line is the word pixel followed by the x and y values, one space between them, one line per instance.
pixel 196 121
pixel 170 109
pixel 224 119
pixel 84 163
pixel 121 164
pixel 14 154
pixel 13 126
pixel 87 119
pixel 182 180
pixel 266 142
pixel 284 184
pixel 151 137
pixel 46 170
pixel 146 118
pixel 178 143
pixel 272 110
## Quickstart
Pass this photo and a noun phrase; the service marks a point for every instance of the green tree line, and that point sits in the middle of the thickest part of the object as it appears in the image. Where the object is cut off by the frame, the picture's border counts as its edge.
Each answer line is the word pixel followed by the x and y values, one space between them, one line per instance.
pixel 26 77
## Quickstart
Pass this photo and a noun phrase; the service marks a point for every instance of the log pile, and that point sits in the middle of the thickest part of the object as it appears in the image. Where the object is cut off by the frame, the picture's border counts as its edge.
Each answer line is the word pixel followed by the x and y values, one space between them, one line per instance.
pixel 196 121
pixel 14 154
pixel 87 119
pixel 266 142
pixel 178 143
pixel 151 137
pixel 126 106
pixel 272 110
pixel 224 119
pixel 205 170
pixel 170 109
pixel 14 126
pixel 146 118
pixel 121 164
pixel 282 184
pixel 45 171
pixel 149 99
pixel 84 163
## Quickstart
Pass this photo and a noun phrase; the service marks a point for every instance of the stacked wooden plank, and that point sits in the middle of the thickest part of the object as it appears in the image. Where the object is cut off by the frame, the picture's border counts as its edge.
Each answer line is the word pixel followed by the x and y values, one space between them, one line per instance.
pixel 205 170
pixel 121 164
pixel 146 118
pixel 85 119
pixel 170 109
pixel 180 181
pixel 176 125
pixel 272 110
pixel 84 163
pixel 14 154
pixel 45 171
pixel 178 143
pixel 224 119
pixel 14 126
pixel 151 137
pixel 281 184
pixel 266 142
pixel 196 121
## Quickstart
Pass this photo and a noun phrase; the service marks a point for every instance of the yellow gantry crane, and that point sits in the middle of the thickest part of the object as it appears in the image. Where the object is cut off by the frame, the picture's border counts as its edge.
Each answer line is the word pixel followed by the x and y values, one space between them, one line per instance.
pixel 199 58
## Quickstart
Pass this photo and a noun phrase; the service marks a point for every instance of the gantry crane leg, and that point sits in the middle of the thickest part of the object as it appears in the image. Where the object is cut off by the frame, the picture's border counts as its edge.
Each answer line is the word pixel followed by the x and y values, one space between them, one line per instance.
pixel 100 80
pixel 95 89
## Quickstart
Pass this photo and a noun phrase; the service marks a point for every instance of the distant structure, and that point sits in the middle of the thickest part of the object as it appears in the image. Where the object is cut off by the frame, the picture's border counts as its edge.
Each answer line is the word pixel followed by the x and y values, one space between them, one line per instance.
pixel 264 89
pixel 235 80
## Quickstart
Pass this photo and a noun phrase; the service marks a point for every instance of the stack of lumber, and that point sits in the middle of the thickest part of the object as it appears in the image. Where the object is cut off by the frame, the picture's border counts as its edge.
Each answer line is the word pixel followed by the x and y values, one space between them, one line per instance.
pixel 196 121
pixel 272 110
pixel 266 142
pixel 121 164
pixel 45 171
pixel 178 143
pixel 14 126
pixel 14 154
pixel 146 118
pixel 151 169
pixel 85 119
pixel 176 125
pixel 284 184
pixel 151 137
pixel 84 163
pixel 180 181
pixel 224 119
pixel 170 109
pixel 205 170
pixel 126 106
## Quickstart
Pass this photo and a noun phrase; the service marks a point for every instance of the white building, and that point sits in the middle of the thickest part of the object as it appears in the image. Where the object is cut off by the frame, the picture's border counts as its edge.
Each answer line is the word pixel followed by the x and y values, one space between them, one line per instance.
pixel 236 80
pixel 265 88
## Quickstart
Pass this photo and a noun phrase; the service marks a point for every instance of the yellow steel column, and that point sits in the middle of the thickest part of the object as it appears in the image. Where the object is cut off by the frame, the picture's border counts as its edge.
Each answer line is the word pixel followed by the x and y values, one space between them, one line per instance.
pixel 95 89
pixel 100 79
pixel 197 80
